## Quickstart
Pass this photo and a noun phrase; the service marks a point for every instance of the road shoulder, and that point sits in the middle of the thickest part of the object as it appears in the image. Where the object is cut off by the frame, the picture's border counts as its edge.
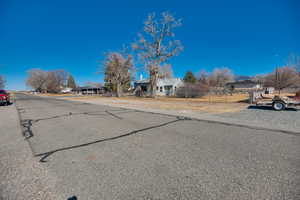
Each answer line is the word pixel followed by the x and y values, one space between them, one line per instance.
pixel 21 176
pixel 206 117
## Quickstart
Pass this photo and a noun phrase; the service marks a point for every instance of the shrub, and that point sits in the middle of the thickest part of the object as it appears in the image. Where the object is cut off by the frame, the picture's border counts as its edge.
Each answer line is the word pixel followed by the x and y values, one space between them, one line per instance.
pixel 298 94
pixel 192 90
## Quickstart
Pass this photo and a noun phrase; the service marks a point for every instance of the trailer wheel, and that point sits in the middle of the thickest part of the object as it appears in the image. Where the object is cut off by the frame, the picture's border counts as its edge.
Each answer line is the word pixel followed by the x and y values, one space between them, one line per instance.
pixel 278 106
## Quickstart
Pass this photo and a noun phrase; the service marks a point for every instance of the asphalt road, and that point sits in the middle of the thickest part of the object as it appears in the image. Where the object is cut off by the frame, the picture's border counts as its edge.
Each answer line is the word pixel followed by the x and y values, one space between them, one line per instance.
pixel 288 119
pixel 100 152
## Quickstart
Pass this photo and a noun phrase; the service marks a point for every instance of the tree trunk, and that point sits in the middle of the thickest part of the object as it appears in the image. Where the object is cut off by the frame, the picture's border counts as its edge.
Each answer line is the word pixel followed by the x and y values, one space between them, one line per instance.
pixel 118 90
pixel 153 81
pixel 153 89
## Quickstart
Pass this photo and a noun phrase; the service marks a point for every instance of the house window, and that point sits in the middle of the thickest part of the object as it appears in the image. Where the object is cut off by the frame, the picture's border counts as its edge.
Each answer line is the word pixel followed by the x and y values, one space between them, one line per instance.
pixel 157 88
pixel 161 89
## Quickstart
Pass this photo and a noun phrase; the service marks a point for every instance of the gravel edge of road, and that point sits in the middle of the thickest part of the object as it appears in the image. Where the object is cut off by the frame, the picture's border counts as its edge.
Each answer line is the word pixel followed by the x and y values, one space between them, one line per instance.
pixel 21 175
pixel 209 118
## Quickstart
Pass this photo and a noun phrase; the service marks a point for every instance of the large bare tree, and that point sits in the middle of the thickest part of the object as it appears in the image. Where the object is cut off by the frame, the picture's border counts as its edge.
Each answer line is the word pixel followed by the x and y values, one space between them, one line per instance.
pixel 281 78
pixel 157 44
pixel 2 82
pixel 46 81
pixel 165 71
pixel 37 79
pixel 56 80
pixel 220 76
pixel 118 70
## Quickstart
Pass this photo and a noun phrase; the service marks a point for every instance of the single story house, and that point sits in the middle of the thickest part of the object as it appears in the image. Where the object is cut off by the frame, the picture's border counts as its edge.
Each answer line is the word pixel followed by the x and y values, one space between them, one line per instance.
pixel 164 87
pixel 244 85
pixel 90 90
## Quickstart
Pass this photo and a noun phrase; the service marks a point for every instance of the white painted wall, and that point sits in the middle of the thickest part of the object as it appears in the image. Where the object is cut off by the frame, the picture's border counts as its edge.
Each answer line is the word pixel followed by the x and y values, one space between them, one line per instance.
pixel 168 87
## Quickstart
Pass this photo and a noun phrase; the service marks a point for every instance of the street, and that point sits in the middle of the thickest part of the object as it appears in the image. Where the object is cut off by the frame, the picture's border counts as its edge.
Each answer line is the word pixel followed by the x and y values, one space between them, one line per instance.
pixel 102 152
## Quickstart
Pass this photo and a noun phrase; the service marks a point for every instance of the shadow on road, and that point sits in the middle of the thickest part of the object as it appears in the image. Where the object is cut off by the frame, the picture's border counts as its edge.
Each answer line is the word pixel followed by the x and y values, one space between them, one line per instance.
pixel 269 108
pixel 8 104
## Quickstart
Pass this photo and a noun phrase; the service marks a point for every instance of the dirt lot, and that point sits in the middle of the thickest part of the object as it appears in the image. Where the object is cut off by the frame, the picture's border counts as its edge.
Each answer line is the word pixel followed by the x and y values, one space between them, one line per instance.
pixel 209 104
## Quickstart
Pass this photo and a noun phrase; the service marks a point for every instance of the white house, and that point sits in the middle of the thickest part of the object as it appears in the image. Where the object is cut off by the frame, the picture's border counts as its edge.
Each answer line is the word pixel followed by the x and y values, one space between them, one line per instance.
pixel 168 87
pixel 164 87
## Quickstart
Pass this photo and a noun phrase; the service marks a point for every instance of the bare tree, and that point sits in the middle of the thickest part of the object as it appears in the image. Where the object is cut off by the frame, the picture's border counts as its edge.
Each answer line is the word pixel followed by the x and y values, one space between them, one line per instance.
pixel 71 82
pixel 157 45
pixel 37 79
pixel 203 77
pixel 294 61
pixel 46 81
pixel 56 80
pixel 118 70
pixel 2 82
pixel 220 76
pixel 165 71
pixel 281 78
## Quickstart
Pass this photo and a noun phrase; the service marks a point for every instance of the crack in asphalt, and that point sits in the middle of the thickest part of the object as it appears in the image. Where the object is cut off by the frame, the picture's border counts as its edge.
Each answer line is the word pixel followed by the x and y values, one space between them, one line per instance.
pixel 26 126
pixel 116 116
pixel 95 113
pixel 28 123
pixel 28 133
pixel 45 155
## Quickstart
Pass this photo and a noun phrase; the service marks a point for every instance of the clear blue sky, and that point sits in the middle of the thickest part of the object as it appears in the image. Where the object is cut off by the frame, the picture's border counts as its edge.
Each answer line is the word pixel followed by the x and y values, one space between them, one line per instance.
pixel 68 34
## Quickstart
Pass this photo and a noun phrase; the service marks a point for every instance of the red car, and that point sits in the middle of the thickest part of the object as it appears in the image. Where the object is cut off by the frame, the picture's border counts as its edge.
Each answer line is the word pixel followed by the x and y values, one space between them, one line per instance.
pixel 4 98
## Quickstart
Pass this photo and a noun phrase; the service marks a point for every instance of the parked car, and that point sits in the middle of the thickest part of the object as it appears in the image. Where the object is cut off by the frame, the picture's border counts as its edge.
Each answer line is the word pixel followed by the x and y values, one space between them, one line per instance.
pixel 4 97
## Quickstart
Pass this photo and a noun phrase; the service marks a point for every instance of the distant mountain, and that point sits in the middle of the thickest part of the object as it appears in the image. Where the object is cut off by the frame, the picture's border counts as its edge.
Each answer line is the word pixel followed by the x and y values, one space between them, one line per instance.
pixel 242 78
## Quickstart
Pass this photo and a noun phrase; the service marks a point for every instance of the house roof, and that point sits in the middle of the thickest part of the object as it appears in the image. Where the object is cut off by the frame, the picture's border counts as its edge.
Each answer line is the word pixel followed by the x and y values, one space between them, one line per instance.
pixel 242 82
pixel 166 81
pixel 142 81
pixel 89 88
pixel 169 81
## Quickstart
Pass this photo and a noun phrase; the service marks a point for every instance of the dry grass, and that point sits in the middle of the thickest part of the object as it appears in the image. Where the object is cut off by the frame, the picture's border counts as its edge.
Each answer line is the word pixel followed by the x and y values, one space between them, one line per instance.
pixel 53 95
pixel 212 104
pixel 236 98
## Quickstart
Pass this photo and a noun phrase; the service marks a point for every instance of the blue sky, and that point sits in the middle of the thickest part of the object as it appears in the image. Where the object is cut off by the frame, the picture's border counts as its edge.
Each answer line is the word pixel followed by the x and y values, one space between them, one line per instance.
pixel 73 35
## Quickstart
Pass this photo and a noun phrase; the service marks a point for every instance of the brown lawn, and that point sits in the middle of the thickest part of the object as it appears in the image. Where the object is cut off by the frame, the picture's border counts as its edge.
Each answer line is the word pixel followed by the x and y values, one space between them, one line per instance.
pixel 211 104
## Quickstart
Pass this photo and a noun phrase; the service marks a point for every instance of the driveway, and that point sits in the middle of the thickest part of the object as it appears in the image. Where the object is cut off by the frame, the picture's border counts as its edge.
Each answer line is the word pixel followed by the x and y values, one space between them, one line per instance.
pixel 102 152
pixel 286 120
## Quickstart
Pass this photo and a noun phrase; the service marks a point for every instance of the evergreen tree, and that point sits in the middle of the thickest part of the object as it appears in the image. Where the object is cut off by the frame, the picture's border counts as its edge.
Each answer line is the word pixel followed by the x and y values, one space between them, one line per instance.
pixel 189 77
